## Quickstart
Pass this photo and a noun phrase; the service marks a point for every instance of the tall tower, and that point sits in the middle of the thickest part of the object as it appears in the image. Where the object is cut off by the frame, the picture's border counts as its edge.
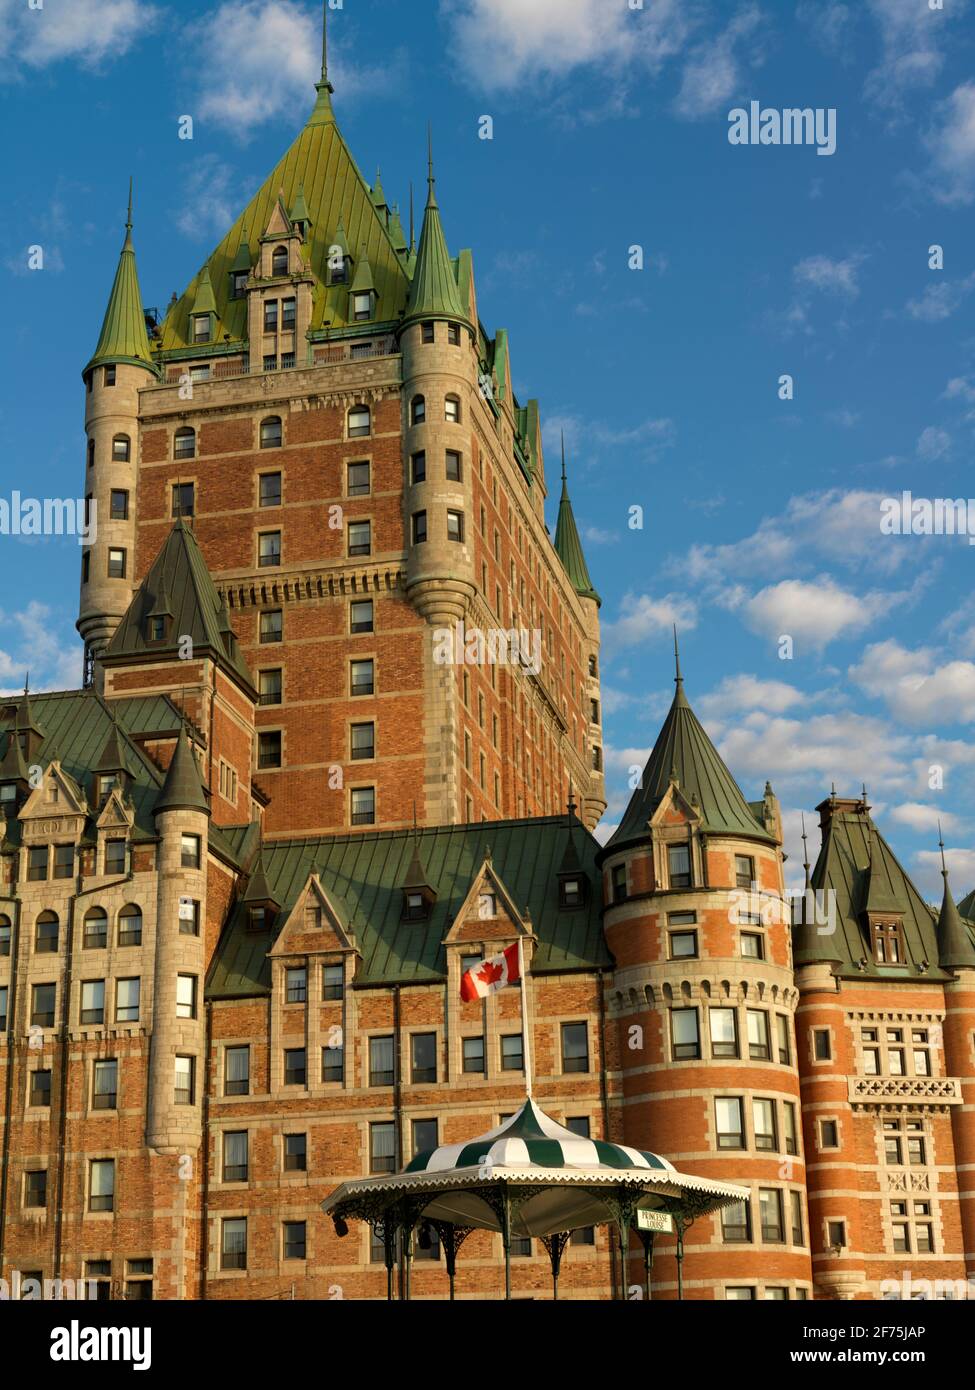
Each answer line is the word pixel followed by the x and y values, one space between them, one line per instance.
pixel 703 997
pixel 121 366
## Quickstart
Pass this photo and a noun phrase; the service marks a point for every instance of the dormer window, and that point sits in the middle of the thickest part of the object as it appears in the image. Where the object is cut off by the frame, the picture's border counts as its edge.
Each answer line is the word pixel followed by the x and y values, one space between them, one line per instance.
pixel 156 629
pixel 257 919
pixel 202 331
pixel 338 267
pixel 487 906
pixel 106 782
pixel 572 891
pixel 8 792
pixel 415 907
pixel 888 943
pixel 362 306
pixel 238 286
pixel 279 261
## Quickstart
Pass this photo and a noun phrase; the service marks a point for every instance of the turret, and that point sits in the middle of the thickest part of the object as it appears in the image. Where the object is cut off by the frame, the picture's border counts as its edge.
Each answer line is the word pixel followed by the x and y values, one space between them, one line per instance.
pixel 120 368
pixel 182 818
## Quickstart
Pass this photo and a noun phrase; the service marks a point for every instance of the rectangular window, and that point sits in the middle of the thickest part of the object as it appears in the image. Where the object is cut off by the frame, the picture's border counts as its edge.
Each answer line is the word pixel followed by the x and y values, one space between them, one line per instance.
pixel 272 624
pixel 423 1058
pixel 333 982
pixel 424 1136
pixel 791 1132
pixel 288 314
pixel 361 617
pixel 736 1224
pixel 119 507
pixel 763 1120
pixel 685 1034
pixel 453 466
pixel 360 538
pixel 295 1066
pixel 473 1049
pixel 39 1093
pixel 836 1234
pixel 358 480
pixel 4 1005
pixel 115 856
pixel 296 984
pixel 101 1190
pixel 110 376
pixel 46 934
pixel 294 1237
pixel 619 883
pixel 104 1091
pixel 363 805
pixel 236 1071
pixel 770 1207
pixel 186 996
pixel 269 549
pixel 183 499
pixel 419 524
pixel 269 749
pixel 382 1147
pixel 575 1047
pixel 455 526
pixel 35 1188
pixel 183 1090
pixel 270 686
pixel 93 1001
pixel 758 1038
pixel 512 1052
pixel 42 1005
pixel 829 1134
pixel 418 468
pixel 270 489
pixel 783 1039
pixel 116 564
pixel 233 1243
pixel 5 930
pixel 235 1156
pixel 683 945
pixel 37 864
pixel 333 1064
pixel 190 851
pixel 270 316
pixel 127 996
pixel 295 1153
pixel 362 678
pixel 363 742
pixel 744 871
pixel 679 866
pixel 381 1061
pixel 729 1122
pixel 724 1032
pixel 822 1050
pixel 752 945
pixel 795 1210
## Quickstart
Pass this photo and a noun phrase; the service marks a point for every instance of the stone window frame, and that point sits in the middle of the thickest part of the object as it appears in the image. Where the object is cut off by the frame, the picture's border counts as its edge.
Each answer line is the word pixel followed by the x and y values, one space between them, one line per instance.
pixel 830 1032
pixel 908 1021
pixel 229 1045
pixel 420 1030
pixel 830 1120
pixel 363 786
pixel 354 463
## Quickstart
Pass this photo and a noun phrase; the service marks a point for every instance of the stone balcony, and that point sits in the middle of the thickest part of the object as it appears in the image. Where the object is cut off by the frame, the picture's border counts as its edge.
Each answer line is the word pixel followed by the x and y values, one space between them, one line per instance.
pixel 896 1091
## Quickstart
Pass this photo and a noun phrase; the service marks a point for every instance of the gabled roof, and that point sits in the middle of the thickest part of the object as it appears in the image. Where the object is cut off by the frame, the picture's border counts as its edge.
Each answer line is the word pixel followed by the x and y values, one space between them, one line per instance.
pixel 568 546
pixel 684 752
pixel 853 853
pixel 179 572
pixel 363 876
pixel 319 166
pixel 123 337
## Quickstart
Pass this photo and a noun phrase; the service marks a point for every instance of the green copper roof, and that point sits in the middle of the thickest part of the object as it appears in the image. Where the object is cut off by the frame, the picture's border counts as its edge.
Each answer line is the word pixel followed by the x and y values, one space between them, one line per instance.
pixel 363 279
pixel 364 876
pixel 183 788
pixel 13 765
pixel 299 211
pixel 123 336
pixel 967 906
pixel 434 293
pixel 204 302
pixel 568 546
pixel 320 165
pixel 956 950
pixel 179 579
pixel 243 259
pixel 883 890
pixel 853 852
pixel 684 752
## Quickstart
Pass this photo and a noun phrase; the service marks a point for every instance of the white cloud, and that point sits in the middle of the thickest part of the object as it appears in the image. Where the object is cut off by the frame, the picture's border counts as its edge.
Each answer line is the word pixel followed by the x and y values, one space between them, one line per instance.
pixel 914 687
pixel 832 276
pixel 53 658
pixel 829 23
pixel 951 145
pixel 713 74
pixel 814 613
pixel 269 60
pixel 940 300
pixel 646 436
pixel 745 692
pixel 924 819
pixel 961 870
pixel 212 198
pixel 933 443
pixel 643 618
pixel 912 39
pixel 844 748
pixel 504 45
pixel 82 31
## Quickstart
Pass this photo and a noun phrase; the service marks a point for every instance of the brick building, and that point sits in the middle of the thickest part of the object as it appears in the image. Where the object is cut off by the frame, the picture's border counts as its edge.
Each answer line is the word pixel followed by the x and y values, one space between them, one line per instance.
pixel 243 869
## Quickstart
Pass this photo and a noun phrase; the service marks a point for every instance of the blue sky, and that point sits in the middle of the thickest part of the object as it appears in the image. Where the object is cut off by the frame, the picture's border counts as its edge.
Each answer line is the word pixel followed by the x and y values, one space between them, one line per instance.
pixel 761 516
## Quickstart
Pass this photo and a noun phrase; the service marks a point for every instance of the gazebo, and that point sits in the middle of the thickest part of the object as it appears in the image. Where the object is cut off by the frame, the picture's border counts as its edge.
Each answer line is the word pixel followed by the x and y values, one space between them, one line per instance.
pixel 528 1177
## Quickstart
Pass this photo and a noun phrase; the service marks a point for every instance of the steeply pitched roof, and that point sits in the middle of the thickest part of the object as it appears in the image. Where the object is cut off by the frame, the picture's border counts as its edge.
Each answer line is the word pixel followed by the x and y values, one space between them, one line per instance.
pixel 853 852
pixel 967 906
pixel 568 546
pixel 180 572
pixel 956 950
pixel 684 751
pixel 363 876
pixel 320 166
pixel 123 337
pixel 183 787
pixel 434 293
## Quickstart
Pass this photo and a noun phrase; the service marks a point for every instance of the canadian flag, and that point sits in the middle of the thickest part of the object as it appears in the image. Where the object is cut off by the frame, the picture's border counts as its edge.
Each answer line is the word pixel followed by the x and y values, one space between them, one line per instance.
pixel 492 974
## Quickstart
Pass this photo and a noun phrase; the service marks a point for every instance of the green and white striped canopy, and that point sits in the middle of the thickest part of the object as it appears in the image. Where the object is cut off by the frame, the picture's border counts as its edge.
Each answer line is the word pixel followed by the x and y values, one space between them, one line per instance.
pixel 532 1139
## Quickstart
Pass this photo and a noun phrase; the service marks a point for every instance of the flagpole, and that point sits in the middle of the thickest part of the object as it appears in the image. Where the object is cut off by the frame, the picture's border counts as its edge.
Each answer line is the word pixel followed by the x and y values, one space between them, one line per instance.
pixel 525 1038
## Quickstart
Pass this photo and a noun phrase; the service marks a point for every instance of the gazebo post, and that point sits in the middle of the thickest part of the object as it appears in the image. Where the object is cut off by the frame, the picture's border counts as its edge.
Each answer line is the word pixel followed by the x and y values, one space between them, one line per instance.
pixel 506 1239
pixel 680 1226
pixel 555 1245
pixel 389 1254
pixel 647 1239
pixel 450 1250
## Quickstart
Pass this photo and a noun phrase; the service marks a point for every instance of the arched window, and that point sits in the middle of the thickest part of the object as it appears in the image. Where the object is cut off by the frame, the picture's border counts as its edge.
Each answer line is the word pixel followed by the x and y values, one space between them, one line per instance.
pixel 46 933
pixel 130 925
pixel 452 410
pixel 279 261
pixel 96 928
pixel 360 421
pixel 184 443
pixel 271 432
pixel 418 410
pixel 121 448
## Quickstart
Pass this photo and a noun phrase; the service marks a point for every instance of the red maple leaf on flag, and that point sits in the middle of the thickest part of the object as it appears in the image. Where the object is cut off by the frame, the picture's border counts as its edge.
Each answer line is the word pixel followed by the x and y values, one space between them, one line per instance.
pixel 489 972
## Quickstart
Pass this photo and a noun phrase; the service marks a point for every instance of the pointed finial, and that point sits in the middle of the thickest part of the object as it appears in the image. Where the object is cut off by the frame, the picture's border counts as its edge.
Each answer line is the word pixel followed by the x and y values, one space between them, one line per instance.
pixel 128 220
pixel 431 176
pixel 26 682
pixel 324 41
pixel 805 850
pixel 412 222
pixel 563 456
pixel 678 678
pixel 941 846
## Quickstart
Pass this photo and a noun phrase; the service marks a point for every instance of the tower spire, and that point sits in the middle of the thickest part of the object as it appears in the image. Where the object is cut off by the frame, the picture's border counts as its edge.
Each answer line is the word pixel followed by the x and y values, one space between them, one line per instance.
pixel 678 678
pixel 412 222
pixel 431 176
pixel 805 850
pixel 325 43
pixel 322 114
pixel 128 220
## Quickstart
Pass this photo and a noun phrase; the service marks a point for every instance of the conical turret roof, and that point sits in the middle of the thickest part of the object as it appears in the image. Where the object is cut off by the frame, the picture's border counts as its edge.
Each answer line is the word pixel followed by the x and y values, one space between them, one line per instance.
pixel 683 752
pixel 956 950
pixel 568 546
pixel 434 293
pixel 123 337
pixel 967 906
pixel 183 787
